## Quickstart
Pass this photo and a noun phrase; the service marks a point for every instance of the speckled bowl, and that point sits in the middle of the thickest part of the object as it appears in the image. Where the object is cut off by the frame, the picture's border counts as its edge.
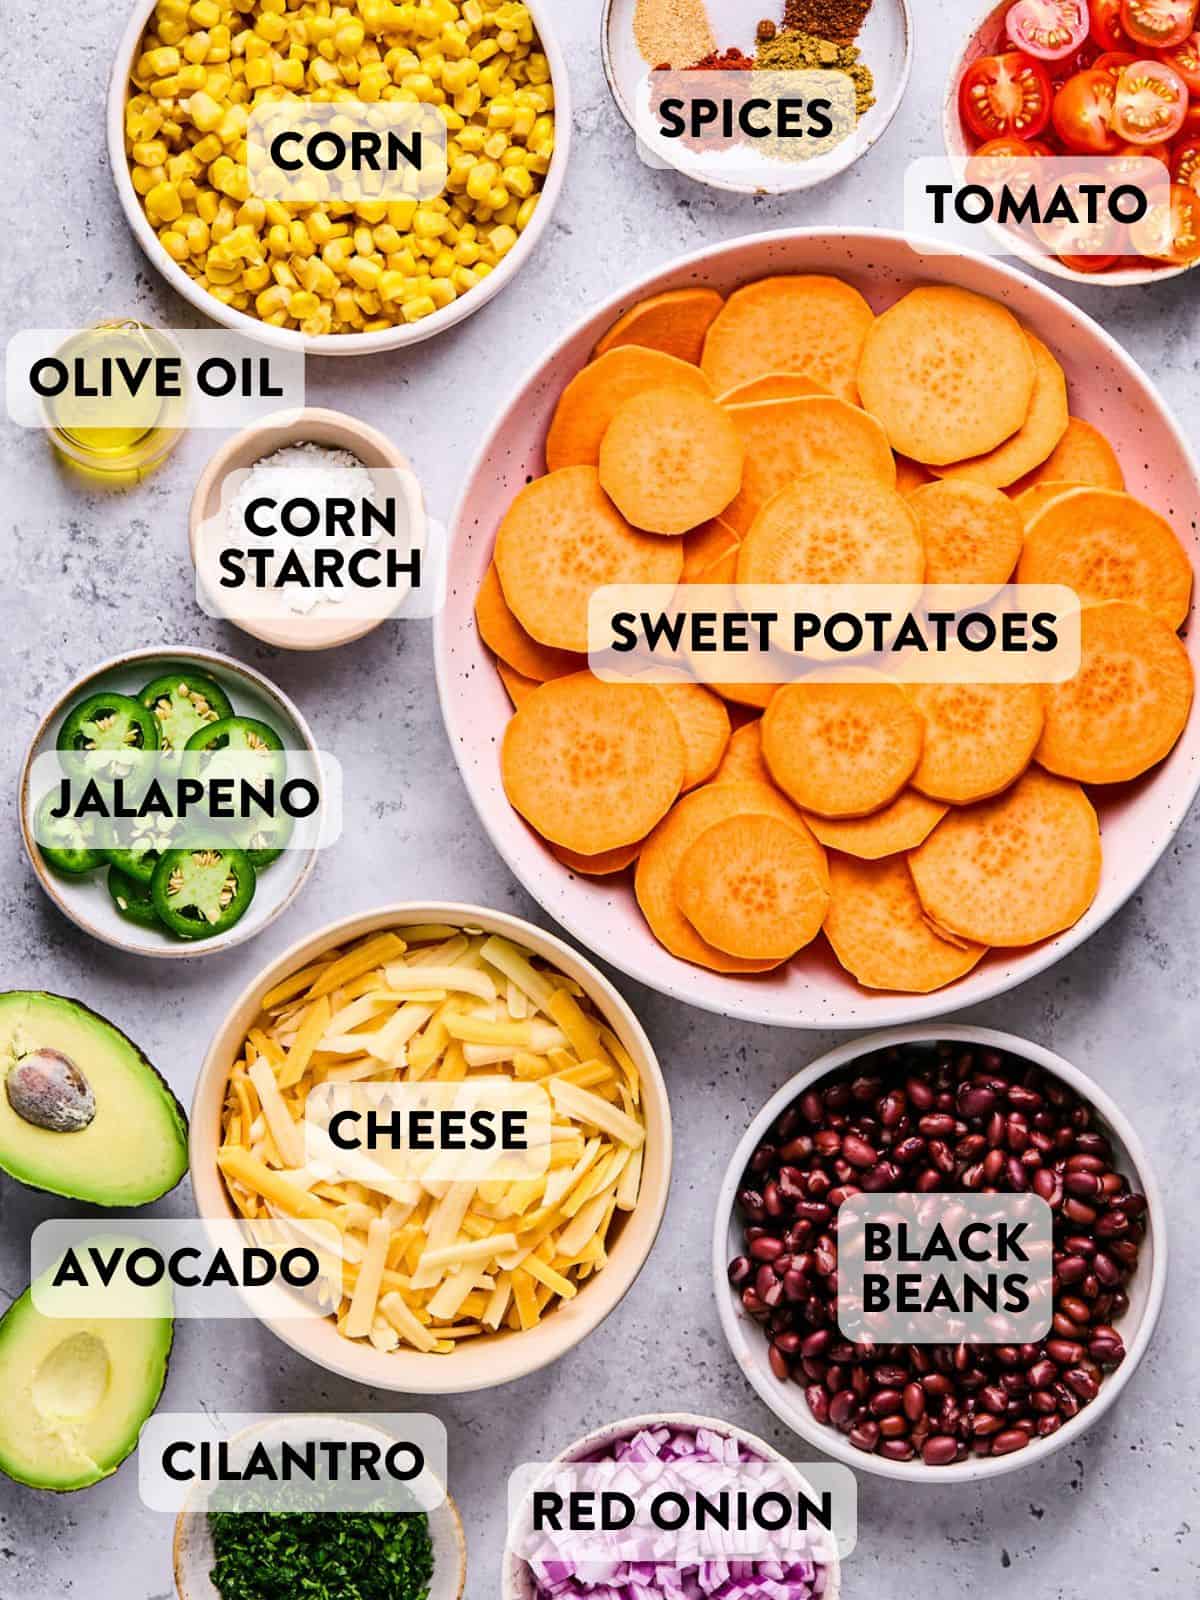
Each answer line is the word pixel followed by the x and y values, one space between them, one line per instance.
pixel 518 1581
pixel 1139 820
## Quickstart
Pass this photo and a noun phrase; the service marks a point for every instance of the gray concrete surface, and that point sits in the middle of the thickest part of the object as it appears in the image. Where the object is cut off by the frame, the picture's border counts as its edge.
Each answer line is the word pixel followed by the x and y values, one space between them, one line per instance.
pixel 85 574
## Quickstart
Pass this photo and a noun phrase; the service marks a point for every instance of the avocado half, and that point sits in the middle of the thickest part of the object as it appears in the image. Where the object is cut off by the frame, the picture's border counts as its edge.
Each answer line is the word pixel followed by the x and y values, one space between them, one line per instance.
pixel 77 1390
pixel 82 1112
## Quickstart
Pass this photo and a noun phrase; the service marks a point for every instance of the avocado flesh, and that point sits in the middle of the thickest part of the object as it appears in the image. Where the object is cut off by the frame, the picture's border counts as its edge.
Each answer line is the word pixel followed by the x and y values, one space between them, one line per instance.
pixel 135 1147
pixel 77 1390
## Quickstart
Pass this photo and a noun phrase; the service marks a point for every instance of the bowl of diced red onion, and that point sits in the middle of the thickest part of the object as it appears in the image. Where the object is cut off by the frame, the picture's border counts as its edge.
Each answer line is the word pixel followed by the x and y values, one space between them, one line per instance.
pixel 654 1446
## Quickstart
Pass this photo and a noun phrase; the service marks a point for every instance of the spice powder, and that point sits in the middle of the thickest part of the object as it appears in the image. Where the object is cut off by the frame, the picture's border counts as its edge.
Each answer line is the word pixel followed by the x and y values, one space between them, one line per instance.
pixel 839 20
pixel 672 33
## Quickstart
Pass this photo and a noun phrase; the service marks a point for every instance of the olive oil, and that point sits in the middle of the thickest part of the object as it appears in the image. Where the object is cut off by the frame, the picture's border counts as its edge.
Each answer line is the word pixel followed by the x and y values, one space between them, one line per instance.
pixel 109 419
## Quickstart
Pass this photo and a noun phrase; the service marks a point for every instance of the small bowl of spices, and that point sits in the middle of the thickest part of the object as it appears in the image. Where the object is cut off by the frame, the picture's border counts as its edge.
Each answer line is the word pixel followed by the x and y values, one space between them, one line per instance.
pixel 780 50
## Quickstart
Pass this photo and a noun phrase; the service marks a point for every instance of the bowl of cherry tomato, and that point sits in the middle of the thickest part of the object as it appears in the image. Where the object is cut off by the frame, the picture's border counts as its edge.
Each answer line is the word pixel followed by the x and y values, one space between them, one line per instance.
pixel 1088 78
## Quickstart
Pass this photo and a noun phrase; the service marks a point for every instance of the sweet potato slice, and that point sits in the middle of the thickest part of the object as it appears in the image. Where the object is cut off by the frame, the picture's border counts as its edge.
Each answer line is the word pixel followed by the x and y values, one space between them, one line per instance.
pixel 842 749
pixel 979 737
pixel 808 323
pixel 948 372
pixel 834 527
pixel 594 396
pixel 518 686
pixel 758 696
pixel 772 386
pixel 670 460
pixel 705 547
pixel 1033 501
pixel 1014 870
pixel 972 533
pixel 902 826
pixel 507 639
pixel 910 475
pixel 674 323
pixel 1125 709
pixel 1108 546
pixel 1034 440
pixel 666 847
pixel 743 757
pixel 592 766
pixel 562 538
pixel 877 932
pixel 703 727
pixel 789 439
pixel 755 887
pixel 1082 455
pixel 605 865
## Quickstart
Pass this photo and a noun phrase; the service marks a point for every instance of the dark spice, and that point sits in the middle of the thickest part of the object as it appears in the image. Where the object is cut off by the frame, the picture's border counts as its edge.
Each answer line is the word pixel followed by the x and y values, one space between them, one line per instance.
pixel 831 19
pixel 730 60
pixel 765 31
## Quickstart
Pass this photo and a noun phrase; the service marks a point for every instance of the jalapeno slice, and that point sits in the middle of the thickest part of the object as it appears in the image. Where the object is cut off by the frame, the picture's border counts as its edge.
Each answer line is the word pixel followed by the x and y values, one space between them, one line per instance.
pixel 132 898
pixel 244 736
pixel 138 865
pixel 200 893
pixel 65 842
pixel 183 703
pixel 264 840
pixel 108 722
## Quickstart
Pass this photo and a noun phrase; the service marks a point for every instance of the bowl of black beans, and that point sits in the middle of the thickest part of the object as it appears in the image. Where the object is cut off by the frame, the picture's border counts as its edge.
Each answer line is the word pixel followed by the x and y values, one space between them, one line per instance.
pixel 938 1111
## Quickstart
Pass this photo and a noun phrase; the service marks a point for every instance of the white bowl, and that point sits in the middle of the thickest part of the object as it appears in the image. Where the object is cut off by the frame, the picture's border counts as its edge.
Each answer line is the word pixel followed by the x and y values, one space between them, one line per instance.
pixel 517 1580
pixel 478 1363
pixel 86 900
pixel 1107 389
pixel 1145 1288
pixel 985 38
pixel 337 344
pixel 886 42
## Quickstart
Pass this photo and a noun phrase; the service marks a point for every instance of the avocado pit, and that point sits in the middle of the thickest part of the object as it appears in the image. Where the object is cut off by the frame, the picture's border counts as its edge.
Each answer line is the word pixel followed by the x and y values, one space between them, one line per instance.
pixel 46 1089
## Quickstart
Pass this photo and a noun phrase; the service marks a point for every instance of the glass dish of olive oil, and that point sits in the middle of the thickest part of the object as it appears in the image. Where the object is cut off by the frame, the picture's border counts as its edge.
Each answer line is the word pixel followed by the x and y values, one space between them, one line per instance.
pixel 111 419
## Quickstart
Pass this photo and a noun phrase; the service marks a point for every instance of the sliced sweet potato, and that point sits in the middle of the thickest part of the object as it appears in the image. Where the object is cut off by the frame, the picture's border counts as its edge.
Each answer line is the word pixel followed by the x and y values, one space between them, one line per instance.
pixel 1036 438
pixel 842 749
pixel 592 766
pixel 756 695
pixel 670 460
pixel 594 396
pixel 772 386
pixel 605 865
pixel 902 826
pixel 1014 870
pixel 877 932
pixel 755 887
pixel 834 527
pixel 1125 709
pixel 518 686
pixel 743 757
pixel 562 538
pixel 703 726
pixel 910 475
pixel 1082 455
pixel 808 323
pixel 666 847
pixel 789 439
pixel 1034 500
pixel 705 547
pixel 674 323
pixel 1108 546
pixel 972 533
pixel 979 737
pixel 507 639
pixel 948 372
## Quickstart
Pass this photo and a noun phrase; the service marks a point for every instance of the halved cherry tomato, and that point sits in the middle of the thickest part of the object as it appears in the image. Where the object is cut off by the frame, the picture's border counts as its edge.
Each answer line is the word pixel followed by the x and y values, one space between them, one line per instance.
pixel 996 162
pixel 1082 113
pixel 1171 234
pixel 1106 24
pixel 1093 234
pixel 1185 163
pixel 1158 23
pixel 1114 61
pixel 1145 152
pixel 1191 121
pixel 1039 147
pixel 1185 58
pixel 1048 29
pixel 1005 95
pixel 1151 103
pixel 1089 263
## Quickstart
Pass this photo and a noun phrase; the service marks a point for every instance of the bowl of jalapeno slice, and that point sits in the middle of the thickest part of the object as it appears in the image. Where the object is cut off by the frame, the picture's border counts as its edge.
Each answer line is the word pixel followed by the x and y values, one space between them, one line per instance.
pixel 136 729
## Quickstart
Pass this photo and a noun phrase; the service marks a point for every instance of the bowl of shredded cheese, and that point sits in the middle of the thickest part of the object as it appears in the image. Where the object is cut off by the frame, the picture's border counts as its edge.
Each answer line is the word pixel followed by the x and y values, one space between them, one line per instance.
pixel 447 1284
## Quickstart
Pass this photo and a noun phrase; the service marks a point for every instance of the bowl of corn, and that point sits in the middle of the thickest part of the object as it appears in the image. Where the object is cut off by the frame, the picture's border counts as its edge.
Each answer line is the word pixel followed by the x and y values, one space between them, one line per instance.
pixel 337 278
pixel 446 1287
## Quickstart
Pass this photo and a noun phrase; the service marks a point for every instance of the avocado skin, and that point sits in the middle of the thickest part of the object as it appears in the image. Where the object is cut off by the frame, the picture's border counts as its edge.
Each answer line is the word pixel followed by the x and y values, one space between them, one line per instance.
pixel 175 1110
pixel 10 1324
